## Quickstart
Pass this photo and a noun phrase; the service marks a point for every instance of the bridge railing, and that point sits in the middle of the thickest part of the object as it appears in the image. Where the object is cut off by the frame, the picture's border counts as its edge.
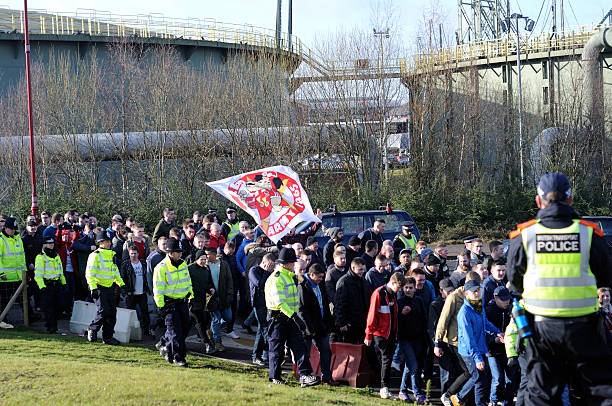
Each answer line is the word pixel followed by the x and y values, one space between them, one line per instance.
pixel 543 42
pixel 571 38
pixel 107 24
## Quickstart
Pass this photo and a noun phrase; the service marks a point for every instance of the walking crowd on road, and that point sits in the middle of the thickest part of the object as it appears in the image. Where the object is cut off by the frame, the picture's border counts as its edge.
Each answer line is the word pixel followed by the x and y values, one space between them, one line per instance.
pixel 412 311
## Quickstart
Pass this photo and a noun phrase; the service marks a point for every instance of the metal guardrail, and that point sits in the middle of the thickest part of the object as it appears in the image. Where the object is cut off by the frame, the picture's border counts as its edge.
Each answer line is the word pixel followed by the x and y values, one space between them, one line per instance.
pixel 573 38
pixel 107 24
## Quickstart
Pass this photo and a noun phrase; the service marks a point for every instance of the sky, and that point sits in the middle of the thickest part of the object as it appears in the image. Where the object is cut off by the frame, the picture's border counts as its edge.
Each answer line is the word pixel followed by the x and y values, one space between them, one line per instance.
pixel 319 18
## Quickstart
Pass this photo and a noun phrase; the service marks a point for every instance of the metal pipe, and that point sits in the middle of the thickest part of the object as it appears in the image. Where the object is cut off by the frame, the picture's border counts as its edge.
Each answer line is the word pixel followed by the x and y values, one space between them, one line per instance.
pixel 34 207
pixel 593 81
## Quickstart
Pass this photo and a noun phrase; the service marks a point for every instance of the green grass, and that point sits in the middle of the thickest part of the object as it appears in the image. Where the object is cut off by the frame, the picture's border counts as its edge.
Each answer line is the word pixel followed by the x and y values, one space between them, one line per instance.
pixel 40 369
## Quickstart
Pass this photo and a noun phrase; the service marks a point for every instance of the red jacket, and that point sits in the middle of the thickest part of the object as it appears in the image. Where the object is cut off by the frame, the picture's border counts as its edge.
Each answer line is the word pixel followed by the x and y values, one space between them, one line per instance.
pixel 383 306
pixel 63 248
pixel 217 242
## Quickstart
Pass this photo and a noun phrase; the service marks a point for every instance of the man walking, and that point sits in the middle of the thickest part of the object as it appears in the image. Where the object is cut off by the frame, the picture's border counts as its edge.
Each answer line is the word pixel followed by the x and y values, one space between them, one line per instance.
pixel 284 324
pixel 171 290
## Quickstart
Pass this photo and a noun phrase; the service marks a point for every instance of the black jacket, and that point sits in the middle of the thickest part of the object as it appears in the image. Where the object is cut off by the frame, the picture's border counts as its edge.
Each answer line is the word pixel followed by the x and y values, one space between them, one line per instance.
pixel 32 246
pixel 328 252
pixel 411 326
pixel 129 277
pixel 560 215
pixel 367 235
pixel 332 277
pixel 162 228
pixel 352 301
pixel 317 325
pixel 350 255
pixel 201 282
pixel 435 309
pixel 500 318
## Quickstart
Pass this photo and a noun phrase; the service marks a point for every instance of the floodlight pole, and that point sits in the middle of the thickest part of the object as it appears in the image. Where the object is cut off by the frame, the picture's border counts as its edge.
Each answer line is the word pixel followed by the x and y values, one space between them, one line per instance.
pixel 30 121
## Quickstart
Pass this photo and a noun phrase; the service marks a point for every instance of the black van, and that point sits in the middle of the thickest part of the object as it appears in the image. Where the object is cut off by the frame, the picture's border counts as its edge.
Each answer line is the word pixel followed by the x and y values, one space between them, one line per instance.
pixel 354 222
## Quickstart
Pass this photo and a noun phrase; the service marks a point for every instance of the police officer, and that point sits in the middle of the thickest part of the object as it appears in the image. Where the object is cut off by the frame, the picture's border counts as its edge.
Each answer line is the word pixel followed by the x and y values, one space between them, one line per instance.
pixel 230 227
pixel 405 239
pixel 49 276
pixel 101 274
pixel 284 325
pixel 12 260
pixel 557 261
pixel 171 290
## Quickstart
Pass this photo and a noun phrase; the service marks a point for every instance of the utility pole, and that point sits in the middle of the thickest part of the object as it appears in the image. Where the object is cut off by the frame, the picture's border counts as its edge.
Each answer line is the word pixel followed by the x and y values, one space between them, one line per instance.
pixel 554 17
pixel 384 34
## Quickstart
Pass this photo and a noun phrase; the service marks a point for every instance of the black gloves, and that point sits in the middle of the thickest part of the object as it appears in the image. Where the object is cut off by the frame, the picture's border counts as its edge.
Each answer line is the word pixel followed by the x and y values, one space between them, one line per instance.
pixel 95 294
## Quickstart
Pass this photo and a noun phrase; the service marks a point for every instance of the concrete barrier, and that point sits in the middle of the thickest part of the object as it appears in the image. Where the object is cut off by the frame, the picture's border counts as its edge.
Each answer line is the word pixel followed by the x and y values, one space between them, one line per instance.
pixel 127 326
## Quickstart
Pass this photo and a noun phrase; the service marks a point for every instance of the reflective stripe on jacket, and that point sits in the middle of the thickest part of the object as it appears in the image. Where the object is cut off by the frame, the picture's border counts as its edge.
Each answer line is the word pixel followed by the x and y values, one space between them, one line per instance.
pixel 101 269
pixel 48 268
pixel 171 281
pixel 558 281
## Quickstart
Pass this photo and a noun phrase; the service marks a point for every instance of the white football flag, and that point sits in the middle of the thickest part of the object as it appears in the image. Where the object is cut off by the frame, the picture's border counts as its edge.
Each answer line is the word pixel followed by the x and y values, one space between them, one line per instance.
pixel 273 196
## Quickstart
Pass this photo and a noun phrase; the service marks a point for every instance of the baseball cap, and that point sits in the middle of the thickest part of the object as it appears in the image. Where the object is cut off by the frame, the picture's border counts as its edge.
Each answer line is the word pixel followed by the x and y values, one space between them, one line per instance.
pixel 405 251
pixel 432 260
pixel 31 223
pixel 554 182
pixel 447 285
pixel 471 285
pixel 502 293
pixel 426 252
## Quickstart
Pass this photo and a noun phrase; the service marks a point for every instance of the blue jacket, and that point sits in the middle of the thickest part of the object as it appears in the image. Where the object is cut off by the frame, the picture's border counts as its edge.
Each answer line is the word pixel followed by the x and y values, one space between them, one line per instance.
pixel 241 255
pixel 488 287
pixel 472 327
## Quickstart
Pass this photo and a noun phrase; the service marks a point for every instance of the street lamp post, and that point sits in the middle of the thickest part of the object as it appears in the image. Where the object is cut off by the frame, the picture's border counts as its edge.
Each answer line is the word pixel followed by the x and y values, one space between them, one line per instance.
pixel 529 27
pixel 381 35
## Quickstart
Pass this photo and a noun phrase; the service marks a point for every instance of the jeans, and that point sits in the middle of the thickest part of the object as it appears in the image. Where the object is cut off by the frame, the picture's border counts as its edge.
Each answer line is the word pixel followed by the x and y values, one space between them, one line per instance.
pixel 409 350
pixel 260 346
pixel 322 344
pixel 218 317
pixel 479 381
pixel 497 364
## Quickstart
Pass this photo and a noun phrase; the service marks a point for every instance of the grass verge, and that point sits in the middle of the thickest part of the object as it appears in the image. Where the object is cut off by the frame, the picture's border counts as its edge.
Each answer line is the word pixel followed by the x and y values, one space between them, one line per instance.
pixel 41 369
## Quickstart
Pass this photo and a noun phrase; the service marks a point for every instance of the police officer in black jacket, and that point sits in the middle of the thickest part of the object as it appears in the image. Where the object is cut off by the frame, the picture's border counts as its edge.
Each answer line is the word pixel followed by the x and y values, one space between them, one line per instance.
pixel 567 343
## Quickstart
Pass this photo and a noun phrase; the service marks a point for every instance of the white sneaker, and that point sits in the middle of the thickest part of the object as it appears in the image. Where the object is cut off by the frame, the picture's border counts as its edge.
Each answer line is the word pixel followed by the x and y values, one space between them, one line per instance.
pixel 6 325
pixel 445 400
pixel 386 394
pixel 232 334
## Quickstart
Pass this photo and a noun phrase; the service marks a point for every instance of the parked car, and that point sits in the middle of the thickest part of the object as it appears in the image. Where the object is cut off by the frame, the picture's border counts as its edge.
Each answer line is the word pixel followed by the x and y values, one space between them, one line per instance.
pixel 605 223
pixel 354 222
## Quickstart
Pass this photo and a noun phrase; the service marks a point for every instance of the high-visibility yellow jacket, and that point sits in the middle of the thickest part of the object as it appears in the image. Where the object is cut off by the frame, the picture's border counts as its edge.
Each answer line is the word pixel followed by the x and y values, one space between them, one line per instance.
pixel 47 268
pixel 281 291
pixel 558 281
pixel 12 258
pixel 234 229
pixel 101 269
pixel 408 242
pixel 173 282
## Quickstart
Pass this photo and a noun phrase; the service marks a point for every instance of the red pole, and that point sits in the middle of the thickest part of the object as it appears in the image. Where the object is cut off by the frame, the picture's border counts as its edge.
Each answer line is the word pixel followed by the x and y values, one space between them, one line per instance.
pixel 30 123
